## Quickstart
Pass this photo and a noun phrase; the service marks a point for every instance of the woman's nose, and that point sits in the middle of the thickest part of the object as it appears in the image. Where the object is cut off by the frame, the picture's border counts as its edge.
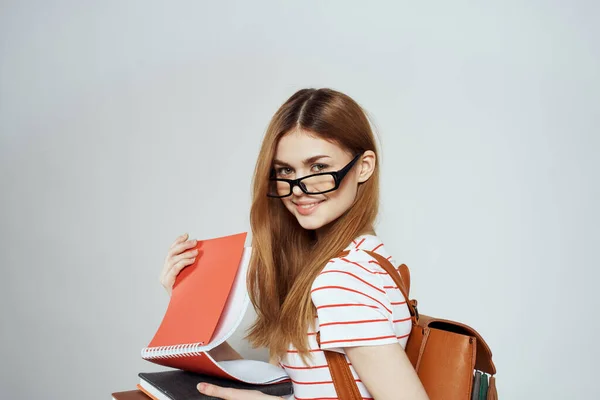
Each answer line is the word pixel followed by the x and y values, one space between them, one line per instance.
pixel 297 191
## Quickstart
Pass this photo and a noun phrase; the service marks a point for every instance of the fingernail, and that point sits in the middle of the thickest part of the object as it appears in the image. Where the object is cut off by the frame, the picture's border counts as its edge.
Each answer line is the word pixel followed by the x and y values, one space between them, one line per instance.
pixel 201 386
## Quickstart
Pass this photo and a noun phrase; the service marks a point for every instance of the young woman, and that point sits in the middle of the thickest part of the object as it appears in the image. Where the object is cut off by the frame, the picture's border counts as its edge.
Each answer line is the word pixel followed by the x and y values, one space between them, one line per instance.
pixel 315 195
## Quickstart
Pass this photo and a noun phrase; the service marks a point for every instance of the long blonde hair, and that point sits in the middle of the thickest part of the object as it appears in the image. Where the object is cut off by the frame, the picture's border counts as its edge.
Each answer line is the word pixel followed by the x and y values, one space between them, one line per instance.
pixel 286 258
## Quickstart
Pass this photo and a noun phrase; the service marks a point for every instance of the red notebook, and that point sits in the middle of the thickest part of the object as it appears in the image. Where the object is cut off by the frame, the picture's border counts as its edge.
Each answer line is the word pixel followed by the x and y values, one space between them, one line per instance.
pixel 208 302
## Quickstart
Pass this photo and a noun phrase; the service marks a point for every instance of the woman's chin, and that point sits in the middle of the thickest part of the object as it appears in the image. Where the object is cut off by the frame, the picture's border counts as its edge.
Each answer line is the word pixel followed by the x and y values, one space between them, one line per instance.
pixel 309 223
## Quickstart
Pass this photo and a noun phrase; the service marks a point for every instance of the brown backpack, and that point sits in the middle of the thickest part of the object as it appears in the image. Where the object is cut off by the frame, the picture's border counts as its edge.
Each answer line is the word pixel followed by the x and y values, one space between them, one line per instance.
pixel 444 353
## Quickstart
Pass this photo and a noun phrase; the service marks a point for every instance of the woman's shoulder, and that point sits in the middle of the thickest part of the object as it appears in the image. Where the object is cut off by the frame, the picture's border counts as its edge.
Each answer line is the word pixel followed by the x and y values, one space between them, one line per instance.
pixel 356 265
pixel 357 252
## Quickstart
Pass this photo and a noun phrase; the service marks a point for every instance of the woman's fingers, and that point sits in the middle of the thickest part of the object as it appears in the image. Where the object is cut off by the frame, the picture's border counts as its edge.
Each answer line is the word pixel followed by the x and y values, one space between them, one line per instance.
pixel 175 265
pixel 180 255
pixel 179 265
pixel 179 239
pixel 177 260
pixel 180 247
pixel 231 394
pixel 214 391
pixel 188 254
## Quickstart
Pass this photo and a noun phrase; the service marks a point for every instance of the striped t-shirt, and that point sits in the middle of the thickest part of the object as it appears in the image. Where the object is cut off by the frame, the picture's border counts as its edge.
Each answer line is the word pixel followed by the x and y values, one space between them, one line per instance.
pixel 358 304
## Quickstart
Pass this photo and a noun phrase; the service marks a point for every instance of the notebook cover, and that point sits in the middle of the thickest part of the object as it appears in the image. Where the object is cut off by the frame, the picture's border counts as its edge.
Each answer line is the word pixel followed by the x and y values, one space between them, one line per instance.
pixel 130 395
pixel 200 292
pixel 476 384
pixel 181 385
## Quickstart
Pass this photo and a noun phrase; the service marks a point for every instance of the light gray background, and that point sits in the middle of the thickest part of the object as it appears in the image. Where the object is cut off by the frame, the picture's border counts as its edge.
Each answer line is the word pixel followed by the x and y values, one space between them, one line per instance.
pixel 126 123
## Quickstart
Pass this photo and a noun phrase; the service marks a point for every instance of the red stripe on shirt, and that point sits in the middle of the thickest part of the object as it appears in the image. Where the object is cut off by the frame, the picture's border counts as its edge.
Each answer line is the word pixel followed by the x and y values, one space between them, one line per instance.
pixel 354 276
pixel 359 243
pixel 358 265
pixel 317 383
pixel 361 339
pixel 354 322
pixel 353 291
pixel 346 305
pixel 378 246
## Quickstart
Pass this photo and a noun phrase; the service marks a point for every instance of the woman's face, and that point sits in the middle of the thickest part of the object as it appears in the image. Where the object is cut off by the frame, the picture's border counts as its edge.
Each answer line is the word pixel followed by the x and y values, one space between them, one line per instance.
pixel 299 154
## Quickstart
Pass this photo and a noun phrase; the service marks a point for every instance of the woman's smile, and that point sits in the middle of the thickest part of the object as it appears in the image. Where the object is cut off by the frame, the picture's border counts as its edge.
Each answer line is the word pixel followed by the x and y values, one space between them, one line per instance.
pixel 307 207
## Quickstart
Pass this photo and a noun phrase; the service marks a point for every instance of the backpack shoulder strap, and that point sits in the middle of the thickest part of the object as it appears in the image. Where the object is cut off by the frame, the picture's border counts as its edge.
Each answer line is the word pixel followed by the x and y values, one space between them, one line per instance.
pixel 396 275
pixel 405 274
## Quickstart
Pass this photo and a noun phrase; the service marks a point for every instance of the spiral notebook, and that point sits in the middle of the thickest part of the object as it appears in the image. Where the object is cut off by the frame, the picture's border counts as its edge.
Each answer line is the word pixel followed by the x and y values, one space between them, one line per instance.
pixel 207 305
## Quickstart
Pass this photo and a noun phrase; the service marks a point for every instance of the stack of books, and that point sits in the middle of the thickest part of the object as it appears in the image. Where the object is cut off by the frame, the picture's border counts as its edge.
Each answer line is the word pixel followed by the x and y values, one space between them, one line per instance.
pixel 181 385
pixel 207 305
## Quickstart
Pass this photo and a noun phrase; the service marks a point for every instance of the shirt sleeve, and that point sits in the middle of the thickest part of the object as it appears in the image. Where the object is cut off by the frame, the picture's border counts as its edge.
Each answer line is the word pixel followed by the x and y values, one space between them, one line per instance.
pixel 352 306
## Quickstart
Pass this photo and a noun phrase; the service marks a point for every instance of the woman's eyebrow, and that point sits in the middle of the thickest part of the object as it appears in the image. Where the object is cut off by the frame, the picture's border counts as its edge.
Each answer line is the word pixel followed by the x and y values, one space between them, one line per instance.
pixel 307 161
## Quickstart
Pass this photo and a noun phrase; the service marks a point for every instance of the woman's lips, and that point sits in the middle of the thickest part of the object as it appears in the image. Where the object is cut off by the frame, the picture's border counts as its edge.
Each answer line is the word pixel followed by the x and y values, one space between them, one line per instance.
pixel 307 208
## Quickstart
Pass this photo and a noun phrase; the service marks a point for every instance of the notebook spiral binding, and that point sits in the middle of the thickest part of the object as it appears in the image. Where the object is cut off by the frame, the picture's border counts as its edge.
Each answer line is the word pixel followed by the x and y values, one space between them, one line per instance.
pixel 180 350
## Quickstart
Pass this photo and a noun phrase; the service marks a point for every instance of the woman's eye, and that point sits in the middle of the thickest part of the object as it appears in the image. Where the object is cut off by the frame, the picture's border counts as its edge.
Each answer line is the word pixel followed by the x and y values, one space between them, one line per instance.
pixel 283 171
pixel 319 167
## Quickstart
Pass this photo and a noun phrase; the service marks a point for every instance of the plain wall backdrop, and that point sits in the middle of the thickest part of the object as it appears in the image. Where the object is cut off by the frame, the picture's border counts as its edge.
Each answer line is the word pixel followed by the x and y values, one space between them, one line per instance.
pixel 124 124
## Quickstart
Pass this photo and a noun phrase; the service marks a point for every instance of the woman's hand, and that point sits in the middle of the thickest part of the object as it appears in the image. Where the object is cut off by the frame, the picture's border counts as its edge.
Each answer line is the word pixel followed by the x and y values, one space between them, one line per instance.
pixel 177 259
pixel 233 394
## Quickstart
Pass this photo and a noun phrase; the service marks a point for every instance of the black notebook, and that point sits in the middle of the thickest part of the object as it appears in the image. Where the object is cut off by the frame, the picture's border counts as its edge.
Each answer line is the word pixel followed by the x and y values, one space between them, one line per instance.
pixel 181 385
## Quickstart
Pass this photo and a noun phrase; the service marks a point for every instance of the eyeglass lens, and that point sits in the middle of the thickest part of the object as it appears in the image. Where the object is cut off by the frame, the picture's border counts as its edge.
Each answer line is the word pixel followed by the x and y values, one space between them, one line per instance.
pixel 311 185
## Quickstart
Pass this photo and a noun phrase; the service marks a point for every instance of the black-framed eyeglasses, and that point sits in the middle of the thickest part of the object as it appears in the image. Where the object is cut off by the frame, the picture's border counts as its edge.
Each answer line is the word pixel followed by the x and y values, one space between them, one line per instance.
pixel 322 182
